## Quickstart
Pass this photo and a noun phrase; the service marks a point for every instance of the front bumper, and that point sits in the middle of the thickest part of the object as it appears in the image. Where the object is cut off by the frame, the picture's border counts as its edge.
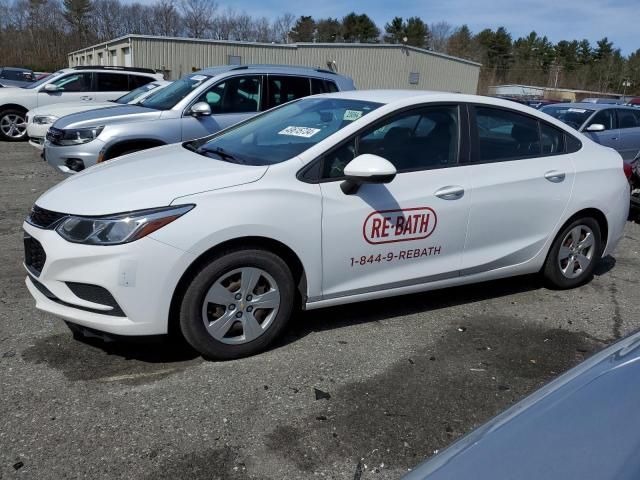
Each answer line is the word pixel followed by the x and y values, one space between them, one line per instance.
pixel 140 277
pixel 61 157
pixel 36 134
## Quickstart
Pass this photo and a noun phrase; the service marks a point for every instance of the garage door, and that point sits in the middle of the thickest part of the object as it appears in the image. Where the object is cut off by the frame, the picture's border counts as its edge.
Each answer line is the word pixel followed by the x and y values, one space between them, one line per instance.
pixel 127 56
pixel 114 57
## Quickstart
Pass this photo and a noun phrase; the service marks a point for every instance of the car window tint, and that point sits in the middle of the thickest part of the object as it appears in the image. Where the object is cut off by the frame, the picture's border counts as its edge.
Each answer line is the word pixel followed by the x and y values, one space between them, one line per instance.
pixel 420 139
pixel 318 86
pixel 331 86
pixel 286 88
pixel 75 82
pixel 136 81
pixel 112 82
pixel 505 135
pixel 627 119
pixel 552 139
pixel 573 144
pixel 604 117
pixel 235 95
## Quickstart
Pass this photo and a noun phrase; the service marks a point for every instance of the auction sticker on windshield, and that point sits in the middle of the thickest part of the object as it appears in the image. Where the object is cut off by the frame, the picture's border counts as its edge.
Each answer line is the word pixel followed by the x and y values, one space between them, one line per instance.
pixel 351 115
pixel 305 132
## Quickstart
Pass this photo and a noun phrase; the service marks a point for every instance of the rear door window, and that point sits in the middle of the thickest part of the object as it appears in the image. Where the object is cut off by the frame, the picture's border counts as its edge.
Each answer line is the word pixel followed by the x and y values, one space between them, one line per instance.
pixel 319 85
pixel 136 81
pixel 112 82
pixel 283 89
pixel 627 119
pixel 506 135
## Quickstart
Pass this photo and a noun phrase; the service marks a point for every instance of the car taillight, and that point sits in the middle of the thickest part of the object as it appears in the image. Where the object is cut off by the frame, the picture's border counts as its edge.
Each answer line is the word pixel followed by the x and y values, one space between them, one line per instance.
pixel 627 170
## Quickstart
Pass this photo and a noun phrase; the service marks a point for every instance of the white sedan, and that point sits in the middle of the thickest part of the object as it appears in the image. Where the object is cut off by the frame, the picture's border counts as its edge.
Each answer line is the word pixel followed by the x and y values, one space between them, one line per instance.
pixel 40 119
pixel 323 201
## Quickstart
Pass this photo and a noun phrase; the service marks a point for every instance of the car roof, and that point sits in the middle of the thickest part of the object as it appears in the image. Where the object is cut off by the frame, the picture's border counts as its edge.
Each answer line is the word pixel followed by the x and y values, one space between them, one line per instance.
pixel 590 106
pixel 268 68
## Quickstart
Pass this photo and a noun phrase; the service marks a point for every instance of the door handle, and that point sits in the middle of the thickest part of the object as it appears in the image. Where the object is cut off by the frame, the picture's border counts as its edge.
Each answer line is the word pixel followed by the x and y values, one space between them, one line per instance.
pixel 86 98
pixel 453 192
pixel 555 176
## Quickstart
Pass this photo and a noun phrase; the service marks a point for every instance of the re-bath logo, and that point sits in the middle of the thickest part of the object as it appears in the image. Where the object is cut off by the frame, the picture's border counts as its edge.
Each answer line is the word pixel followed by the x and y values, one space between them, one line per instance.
pixel 402 225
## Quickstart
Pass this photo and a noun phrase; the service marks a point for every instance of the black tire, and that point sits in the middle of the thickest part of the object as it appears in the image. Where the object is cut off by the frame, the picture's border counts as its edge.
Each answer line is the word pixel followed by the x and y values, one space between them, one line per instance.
pixel 551 270
pixel 12 111
pixel 191 321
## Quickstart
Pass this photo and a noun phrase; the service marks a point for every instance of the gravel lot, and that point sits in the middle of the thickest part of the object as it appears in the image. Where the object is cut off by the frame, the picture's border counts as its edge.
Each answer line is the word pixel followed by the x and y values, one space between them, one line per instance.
pixel 364 391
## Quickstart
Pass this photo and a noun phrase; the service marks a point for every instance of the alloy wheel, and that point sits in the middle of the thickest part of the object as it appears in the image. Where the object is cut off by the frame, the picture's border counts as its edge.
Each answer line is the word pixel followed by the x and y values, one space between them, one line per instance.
pixel 13 125
pixel 240 305
pixel 576 251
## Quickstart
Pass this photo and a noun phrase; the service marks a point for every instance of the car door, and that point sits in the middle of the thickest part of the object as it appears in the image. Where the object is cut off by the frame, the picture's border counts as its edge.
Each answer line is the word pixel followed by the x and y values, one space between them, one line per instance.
pixel 610 136
pixel 109 86
pixel 231 100
pixel 629 125
pixel 406 232
pixel 520 183
pixel 73 87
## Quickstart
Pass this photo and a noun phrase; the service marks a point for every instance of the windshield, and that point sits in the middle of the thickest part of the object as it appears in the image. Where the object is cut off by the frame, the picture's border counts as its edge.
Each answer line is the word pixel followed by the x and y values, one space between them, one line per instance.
pixel 572 116
pixel 43 80
pixel 284 132
pixel 168 97
pixel 136 93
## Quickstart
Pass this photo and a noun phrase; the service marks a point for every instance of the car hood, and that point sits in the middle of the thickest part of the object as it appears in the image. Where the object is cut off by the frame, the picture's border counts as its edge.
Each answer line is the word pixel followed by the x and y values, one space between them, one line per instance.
pixel 62 109
pixel 108 116
pixel 148 179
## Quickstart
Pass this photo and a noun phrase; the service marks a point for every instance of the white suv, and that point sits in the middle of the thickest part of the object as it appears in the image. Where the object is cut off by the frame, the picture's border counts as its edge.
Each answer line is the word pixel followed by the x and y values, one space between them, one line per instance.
pixel 66 85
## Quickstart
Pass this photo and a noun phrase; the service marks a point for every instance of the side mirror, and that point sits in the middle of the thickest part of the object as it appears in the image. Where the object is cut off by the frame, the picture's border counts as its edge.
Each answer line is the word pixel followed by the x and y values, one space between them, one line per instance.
pixel 366 168
pixel 595 127
pixel 51 88
pixel 200 109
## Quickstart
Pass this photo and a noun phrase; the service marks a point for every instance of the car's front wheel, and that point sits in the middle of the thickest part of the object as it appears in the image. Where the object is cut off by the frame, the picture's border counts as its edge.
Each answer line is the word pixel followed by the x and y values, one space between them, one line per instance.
pixel 237 304
pixel 574 254
pixel 13 125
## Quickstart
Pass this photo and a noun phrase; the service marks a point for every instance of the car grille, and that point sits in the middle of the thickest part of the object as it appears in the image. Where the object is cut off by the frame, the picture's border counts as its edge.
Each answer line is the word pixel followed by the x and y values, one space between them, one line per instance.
pixel 41 218
pixel 34 255
pixel 54 135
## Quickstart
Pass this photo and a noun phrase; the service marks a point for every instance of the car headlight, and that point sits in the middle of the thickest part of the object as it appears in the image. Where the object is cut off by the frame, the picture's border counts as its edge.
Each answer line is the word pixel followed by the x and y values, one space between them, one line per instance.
pixel 78 136
pixel 120 228
pixel 44 119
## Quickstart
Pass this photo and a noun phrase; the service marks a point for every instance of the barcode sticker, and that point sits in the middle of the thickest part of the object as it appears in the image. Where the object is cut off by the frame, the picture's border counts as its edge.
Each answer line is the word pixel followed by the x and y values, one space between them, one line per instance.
pixel 305 132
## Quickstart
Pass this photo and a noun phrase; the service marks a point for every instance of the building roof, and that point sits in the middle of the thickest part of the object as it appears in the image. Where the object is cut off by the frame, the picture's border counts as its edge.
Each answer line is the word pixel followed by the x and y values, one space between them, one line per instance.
pixel 553 89
pixel 280 45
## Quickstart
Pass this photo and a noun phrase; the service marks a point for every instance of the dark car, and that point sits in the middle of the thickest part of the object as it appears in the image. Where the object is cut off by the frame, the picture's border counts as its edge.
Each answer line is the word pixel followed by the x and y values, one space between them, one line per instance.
pixel 584 425
pixel 16 77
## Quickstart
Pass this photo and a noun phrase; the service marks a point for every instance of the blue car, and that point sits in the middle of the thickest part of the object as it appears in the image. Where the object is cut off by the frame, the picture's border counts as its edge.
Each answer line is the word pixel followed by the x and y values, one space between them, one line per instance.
pixel 584 425
pixel 615 126
pixel 15 77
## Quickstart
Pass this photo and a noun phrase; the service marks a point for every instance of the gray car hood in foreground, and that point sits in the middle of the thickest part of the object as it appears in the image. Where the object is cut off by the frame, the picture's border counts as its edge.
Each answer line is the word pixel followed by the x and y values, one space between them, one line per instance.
pixel 108 116
pixel 584 425
pixel 147 179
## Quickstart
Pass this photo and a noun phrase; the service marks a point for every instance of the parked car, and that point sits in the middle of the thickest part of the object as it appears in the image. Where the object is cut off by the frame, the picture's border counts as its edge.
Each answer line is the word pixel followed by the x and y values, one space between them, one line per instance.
pixel 606 101
pixel 16 77
pixel 40 119
pixel 582 425
pixel 538 104
pixel 615 126
pixel 67 85
pixel 322 201
pixel 196 105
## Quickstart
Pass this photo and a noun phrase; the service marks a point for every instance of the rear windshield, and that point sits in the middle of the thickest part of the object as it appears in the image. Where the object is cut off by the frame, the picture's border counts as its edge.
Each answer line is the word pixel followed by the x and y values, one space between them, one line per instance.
pixel 572 116
pixel 284 132
pixel 169 97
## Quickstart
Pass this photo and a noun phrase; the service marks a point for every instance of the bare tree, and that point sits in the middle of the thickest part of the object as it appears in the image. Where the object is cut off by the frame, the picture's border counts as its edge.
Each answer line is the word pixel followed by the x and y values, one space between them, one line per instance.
pixel 439 36
pixel 166 18
pixel 198 17
pixel 282 26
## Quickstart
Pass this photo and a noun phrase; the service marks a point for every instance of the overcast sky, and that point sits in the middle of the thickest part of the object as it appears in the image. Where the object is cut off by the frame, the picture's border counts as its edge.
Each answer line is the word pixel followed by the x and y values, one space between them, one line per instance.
pixel 619 20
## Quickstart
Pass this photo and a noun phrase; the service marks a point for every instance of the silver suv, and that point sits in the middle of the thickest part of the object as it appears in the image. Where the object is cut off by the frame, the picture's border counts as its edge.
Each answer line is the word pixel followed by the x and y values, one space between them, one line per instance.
pixel 195 106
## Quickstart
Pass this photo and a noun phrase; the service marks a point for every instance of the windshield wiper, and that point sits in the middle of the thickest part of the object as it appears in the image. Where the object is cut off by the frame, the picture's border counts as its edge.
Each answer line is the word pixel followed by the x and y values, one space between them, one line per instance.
pixel 222 153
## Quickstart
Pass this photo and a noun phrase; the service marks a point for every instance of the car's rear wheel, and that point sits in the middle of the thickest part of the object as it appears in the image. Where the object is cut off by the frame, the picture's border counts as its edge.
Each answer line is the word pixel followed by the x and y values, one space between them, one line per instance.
pixel 13 125
pixel 574 254
pixel 237 304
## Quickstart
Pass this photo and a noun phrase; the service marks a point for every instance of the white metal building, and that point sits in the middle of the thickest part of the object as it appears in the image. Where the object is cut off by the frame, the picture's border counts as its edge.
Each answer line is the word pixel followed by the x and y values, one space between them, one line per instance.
pixel 374 65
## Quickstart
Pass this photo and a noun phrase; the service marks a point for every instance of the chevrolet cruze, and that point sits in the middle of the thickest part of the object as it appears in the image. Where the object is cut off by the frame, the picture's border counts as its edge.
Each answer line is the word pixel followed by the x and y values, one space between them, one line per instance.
pixel 322 201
